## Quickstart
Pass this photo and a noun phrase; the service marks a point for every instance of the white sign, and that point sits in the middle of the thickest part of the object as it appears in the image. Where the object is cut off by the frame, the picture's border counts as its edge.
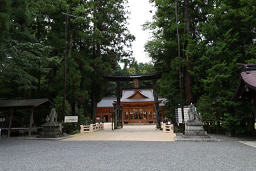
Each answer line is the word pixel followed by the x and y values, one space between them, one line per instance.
pixel 70 119
pixel 178 114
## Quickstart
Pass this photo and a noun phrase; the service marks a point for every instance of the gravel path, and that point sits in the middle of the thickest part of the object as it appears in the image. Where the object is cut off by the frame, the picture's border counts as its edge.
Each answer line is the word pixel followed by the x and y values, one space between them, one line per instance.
pixel 26 155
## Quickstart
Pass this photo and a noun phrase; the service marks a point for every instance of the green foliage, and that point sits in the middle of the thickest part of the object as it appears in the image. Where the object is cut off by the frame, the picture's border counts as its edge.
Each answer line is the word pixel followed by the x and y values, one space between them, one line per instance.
pixel 222 33
pixel 58 103
pixel 33 45
pixel 73 128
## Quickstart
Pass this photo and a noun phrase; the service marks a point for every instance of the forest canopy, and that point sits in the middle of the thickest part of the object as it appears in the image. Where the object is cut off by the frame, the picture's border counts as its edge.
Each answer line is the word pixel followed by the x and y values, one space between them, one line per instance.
pixel 214 36
pixel 37 35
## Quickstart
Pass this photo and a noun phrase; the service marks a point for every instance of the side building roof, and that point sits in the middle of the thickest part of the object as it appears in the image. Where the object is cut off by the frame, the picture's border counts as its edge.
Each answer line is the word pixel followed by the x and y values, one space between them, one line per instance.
pixel 247 81
pixel 106 102
pixel 249 77
pixel 24 103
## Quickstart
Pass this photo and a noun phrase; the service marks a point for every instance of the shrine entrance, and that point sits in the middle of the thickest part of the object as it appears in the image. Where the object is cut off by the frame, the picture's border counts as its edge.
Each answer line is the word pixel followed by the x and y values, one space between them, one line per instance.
pixel 137 105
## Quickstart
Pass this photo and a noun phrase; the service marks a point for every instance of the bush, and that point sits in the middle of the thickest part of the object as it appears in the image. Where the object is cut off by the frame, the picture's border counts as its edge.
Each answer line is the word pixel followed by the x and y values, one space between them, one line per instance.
pixel 73 128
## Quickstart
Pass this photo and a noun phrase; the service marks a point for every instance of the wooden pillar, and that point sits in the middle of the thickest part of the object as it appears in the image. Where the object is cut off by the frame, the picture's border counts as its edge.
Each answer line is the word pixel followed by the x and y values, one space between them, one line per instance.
pixel 254 109
pixel 121 117
pixel 114 116
pixel 10 123
pixel 156 106
pixel 129 114
pixel 31 122
pixel 118 113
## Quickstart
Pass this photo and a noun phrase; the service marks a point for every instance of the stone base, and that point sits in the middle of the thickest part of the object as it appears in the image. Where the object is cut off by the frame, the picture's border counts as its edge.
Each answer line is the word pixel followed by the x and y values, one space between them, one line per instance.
pixel 194 128
pixel 51 130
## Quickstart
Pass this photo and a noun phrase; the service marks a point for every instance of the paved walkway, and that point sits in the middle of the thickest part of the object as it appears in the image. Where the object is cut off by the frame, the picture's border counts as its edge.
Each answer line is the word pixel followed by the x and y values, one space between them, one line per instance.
pixel 128 133
pixel 127 149
pixel 249 143
pixel 43 155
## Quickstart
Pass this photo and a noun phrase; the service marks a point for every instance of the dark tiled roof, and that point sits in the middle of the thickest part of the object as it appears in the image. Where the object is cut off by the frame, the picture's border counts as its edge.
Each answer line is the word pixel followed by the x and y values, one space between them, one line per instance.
pixel 26 103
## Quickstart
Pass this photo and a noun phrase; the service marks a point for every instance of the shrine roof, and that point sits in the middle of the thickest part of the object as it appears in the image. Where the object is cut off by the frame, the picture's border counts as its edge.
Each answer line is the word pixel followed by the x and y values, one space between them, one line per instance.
pixel 249 77
pixel 147 95
pixel 128 96
pixel 247 81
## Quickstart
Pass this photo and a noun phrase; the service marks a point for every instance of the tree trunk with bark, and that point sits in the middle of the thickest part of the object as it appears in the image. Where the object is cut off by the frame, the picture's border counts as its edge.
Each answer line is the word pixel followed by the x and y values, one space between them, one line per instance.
pixel 188 80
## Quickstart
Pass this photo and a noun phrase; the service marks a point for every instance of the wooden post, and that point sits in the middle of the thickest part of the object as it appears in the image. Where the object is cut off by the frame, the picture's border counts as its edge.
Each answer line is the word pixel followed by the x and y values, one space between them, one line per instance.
pixel 158 125
pixel 10 123
pixel 118 118
pixel 114 118
pixel 121 115
pixel 31 122
pixel 254 109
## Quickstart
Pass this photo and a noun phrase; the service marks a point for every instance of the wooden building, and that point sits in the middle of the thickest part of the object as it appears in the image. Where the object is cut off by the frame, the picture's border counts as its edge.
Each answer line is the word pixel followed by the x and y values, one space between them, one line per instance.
pixel 137 107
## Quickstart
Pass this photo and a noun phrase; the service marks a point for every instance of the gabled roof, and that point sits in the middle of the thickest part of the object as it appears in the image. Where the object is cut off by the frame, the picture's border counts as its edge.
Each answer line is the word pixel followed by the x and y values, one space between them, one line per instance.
pixel 132 95
pixel 137 95
pixel 25 103
pixel 146 95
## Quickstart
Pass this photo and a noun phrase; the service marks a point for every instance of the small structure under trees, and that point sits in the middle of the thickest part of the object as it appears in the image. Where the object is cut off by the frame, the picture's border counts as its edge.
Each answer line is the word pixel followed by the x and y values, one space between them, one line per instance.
pixel 11 106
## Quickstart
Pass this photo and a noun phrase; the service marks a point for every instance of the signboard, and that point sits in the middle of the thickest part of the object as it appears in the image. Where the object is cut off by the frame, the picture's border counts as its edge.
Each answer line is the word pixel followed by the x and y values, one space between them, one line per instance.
pixel 70 119
pixel 178 114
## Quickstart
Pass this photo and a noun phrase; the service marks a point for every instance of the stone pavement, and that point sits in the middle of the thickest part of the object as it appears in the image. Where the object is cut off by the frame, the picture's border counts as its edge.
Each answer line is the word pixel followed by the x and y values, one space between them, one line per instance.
pixel 128 133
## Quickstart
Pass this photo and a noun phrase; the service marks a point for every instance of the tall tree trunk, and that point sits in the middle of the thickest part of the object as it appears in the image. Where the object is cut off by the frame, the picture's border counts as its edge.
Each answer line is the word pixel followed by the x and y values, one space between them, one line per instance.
pixel 188 89
pixel 180 62
pixel 73 107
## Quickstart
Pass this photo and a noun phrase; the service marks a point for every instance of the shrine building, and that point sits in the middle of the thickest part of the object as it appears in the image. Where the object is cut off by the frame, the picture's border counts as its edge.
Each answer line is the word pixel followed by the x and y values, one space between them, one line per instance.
pixel 137 107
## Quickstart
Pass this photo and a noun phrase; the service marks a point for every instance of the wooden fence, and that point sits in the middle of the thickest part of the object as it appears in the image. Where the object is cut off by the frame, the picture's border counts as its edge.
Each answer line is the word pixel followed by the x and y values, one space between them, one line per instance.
pixel 91 127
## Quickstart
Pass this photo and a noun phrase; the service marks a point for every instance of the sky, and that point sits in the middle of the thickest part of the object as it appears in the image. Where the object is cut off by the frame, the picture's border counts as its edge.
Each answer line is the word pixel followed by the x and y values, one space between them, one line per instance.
pixel 139 14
